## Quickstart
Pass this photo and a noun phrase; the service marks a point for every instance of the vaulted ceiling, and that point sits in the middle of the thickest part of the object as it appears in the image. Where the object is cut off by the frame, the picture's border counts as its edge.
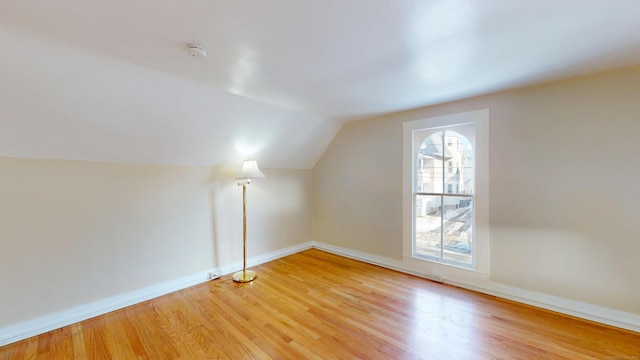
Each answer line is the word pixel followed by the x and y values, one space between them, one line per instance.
pixel 112 80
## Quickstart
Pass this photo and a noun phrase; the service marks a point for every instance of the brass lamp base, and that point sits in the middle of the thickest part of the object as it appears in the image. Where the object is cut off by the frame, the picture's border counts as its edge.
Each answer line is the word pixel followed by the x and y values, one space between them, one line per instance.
pixel 244 276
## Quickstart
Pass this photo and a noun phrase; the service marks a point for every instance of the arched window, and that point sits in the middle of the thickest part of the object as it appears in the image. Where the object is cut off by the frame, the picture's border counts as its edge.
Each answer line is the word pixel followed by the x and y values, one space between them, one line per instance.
pixel 446 193
pixel 443 195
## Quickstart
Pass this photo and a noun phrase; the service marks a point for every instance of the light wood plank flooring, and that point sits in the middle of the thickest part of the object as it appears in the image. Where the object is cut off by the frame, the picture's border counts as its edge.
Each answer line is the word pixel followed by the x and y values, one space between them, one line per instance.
pixel 316 305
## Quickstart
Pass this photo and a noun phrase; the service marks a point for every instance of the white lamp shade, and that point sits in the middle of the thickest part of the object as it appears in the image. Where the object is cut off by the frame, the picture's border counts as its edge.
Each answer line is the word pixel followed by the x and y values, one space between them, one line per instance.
pixel 250 170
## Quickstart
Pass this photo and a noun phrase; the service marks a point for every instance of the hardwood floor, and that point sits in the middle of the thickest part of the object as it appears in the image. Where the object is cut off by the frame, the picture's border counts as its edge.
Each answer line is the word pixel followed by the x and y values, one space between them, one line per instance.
pixel 315 305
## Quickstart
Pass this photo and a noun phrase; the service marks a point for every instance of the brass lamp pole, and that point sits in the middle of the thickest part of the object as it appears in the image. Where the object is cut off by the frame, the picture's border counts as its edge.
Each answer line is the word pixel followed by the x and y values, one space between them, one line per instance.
pixel 249 171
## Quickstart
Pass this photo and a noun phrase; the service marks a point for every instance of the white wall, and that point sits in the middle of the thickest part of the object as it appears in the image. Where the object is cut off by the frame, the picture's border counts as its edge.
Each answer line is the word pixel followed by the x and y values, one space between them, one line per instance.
pixel 564 188
pixel 74 232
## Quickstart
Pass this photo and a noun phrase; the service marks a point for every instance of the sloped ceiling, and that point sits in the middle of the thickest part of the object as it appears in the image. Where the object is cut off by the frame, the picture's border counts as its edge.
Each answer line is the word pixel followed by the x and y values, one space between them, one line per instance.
pixel 112 81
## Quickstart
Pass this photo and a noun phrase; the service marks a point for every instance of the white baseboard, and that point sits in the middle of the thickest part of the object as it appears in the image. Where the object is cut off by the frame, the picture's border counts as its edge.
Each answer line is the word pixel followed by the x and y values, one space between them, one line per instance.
pixel 621 319
pixel 54 321
pixel 67 317
pixel 47 323
pixel 264 258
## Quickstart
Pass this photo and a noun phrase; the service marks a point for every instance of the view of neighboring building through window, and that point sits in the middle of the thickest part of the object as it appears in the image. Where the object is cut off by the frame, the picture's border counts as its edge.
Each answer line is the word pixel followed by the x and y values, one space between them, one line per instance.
pixel 444 194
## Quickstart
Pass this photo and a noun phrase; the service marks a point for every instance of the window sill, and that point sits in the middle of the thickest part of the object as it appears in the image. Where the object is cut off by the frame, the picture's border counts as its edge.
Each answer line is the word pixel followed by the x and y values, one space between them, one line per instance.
pixel 438 270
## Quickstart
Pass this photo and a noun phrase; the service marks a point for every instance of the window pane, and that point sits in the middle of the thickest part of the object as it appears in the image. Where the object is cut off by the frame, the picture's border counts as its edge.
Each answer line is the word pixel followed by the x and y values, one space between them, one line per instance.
pixel 440 154
pixel 428 224
pixel 458 154
pixel 429 164
pixel 458 229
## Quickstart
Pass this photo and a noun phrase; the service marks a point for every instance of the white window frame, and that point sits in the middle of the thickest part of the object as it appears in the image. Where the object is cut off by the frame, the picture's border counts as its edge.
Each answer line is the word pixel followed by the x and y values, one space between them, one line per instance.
pixel 481 198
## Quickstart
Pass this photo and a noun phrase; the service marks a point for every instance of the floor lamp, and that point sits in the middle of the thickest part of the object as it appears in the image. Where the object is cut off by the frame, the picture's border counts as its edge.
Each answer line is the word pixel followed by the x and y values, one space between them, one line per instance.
pixel 249 171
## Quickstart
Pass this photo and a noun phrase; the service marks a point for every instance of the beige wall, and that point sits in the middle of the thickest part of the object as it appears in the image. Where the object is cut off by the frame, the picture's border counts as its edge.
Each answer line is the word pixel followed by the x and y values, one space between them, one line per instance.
pixel 565 171
pixel 75 232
